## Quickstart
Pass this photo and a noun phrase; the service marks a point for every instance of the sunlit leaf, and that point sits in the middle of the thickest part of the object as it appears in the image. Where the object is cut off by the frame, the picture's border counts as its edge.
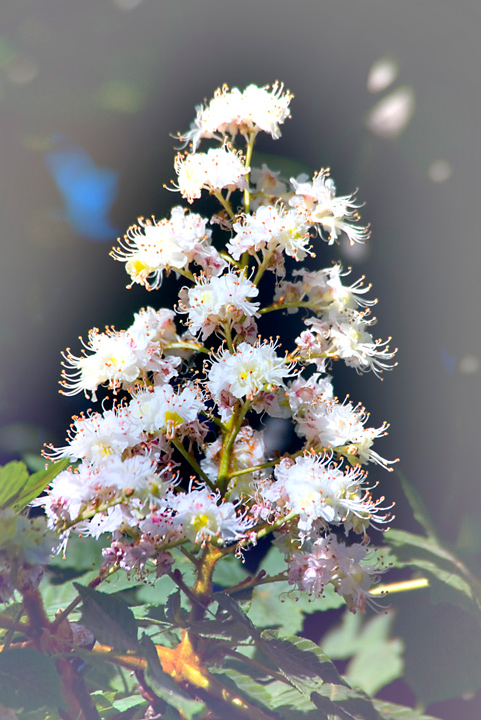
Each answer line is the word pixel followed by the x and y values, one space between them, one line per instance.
pixel 164 686
pixel 18 488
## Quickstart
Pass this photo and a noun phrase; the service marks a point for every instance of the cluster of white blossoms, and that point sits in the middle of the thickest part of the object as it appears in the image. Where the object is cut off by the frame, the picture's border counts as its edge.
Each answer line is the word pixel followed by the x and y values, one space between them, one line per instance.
pixel 179 456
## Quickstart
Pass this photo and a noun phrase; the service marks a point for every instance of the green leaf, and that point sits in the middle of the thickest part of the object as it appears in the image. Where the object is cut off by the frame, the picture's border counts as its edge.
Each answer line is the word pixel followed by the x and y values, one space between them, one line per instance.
pixel 109 618
pixel 164 686
pixel 221 629
pixel 443 649
pixel 450 580
pixel 28 680
pixel 418 506
pixel 376 657
pixel 18 488
pixel 344 703
pixel 302 662
pixel 232 607
pixel 229 571
pixel 389 711
pixel 128 702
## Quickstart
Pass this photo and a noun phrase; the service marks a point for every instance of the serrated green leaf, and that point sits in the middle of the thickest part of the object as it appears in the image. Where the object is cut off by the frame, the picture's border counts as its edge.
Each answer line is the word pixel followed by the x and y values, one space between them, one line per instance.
pixel 345 703
pixel 232 607
pixel 451 581
pixel 418 506
pixel 18 488
pixel 390 711
pixel 109 618
pixel 28 680
pixel 245 683
pixel 163 685
pixel 225 629
pixel 376 657
pixel 302 662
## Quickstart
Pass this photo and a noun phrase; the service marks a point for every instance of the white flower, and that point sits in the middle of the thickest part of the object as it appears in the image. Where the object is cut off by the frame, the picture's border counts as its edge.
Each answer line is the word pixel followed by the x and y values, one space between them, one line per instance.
pixel 231 111
pixel 268 187
pixel 271 227
pixel 204 516
pixel 219 300
pixel 248 371
pixel 214 170
pixel 117 360
pixel 315 489
pixel 95 437
pixel 156 326
pixel 152 247
pixel 317 202
pixel 332 561
pixel 351 342
pixel 162 409
pixel 324 290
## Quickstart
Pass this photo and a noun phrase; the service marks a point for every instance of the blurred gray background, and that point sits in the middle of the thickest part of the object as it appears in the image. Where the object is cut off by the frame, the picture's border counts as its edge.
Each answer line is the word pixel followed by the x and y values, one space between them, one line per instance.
pixel 386 93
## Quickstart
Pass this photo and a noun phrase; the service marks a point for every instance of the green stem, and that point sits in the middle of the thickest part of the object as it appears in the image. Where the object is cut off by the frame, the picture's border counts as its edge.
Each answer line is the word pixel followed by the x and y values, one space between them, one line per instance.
pixel 197 347
pixel 186 273
pixel 262 268
pixel 284 306
pixel 225 204
pixel 192 462
pixel 229 440
pixel 225 256
pixel 267 528
pixel 259 579
pixel 270 463
pixel 228 336
pixel 247 192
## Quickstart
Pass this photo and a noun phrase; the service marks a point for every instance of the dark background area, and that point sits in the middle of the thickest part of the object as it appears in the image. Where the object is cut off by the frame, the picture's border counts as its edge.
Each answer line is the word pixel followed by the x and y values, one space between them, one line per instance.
pixel 89 94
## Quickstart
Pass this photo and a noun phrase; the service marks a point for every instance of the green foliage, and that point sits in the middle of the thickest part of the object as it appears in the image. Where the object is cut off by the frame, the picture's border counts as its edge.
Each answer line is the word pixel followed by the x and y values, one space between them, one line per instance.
pixel 108 618
pixel 18 488
pixel 376 658
pixel 28 680
pixel 443 649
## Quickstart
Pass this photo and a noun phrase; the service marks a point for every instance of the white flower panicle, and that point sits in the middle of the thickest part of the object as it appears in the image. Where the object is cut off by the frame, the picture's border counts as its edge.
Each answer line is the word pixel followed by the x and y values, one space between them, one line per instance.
pixel 118 360
pixel 217 300
pixel 179 456
pixel 317 202
pixel 271 228
pixel 232 111
pixel 152 247
pixel 214 170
